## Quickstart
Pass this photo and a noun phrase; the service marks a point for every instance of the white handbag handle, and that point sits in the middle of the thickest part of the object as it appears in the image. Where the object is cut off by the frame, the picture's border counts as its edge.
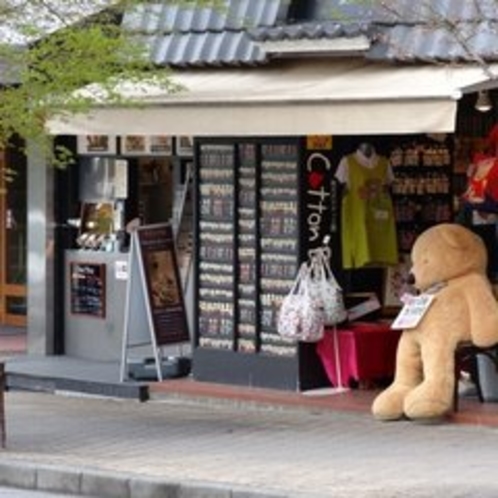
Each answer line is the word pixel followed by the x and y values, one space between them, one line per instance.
pixel 301 275
pixel 330 274
pixel 321 266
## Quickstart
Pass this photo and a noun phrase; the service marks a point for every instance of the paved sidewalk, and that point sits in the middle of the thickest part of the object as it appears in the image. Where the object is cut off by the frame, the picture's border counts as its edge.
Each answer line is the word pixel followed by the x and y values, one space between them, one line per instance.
pixel 176 448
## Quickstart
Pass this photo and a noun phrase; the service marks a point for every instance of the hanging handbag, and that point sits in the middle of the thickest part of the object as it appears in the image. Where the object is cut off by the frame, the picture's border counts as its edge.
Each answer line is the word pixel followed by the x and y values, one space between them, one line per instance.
pixel 324 288
pixel 301 315
pixel 289 315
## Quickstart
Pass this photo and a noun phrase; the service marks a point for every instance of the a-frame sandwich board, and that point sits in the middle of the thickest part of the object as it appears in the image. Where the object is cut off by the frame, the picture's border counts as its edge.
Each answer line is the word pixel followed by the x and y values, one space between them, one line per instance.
pixel 154 308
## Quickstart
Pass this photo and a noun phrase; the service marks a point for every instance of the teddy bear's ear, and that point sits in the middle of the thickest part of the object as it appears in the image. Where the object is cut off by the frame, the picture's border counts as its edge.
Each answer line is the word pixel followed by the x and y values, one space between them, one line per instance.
pixel 457 236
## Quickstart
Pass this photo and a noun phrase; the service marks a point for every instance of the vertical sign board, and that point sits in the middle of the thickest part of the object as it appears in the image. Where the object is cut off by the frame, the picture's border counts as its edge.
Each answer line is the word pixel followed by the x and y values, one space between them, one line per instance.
pixel 155 309
pixel 320 195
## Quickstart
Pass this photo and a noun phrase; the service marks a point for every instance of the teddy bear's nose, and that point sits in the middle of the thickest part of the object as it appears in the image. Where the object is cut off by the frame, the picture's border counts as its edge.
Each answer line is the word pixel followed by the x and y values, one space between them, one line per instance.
pixel 410 279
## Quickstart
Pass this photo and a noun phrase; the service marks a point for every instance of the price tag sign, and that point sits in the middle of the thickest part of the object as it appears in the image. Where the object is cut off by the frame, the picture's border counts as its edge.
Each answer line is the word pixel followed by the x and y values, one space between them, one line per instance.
pixel 413 311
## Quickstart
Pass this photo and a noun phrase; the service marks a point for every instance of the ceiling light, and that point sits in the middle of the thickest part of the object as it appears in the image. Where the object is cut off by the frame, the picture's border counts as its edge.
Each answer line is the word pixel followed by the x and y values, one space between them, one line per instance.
pixel 483 102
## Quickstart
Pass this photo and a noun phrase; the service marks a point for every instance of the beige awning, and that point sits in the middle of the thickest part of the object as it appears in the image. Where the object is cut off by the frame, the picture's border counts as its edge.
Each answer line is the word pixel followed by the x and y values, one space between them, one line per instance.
pixel 295 98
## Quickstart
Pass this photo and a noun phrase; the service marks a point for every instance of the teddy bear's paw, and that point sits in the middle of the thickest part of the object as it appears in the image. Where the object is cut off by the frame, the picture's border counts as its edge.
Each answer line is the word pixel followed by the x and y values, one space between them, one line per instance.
pixel 388 405
pixel 387 416
pixel 426 410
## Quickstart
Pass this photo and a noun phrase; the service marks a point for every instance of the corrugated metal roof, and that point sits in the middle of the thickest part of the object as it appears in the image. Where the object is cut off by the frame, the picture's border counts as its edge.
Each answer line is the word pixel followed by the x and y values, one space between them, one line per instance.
pixel 400 43
pixel 312 30
pixel 432 11
pixel 467 42
pixel 193 34
pixel 200 49
pixel 394 11
pixel 233 15
pixel 400 30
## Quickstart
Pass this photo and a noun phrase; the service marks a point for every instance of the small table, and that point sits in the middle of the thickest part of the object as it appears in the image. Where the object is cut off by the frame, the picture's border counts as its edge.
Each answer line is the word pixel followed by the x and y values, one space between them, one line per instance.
pixel 365 352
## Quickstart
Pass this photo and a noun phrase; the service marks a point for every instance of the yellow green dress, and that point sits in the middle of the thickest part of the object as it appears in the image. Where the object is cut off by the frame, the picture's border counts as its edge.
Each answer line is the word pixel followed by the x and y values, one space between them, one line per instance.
pixel 368 229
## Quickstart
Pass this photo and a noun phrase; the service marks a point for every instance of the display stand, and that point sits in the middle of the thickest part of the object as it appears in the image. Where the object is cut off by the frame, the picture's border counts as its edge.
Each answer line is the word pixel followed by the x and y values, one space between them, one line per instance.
pixel 155 311
pixel 253 228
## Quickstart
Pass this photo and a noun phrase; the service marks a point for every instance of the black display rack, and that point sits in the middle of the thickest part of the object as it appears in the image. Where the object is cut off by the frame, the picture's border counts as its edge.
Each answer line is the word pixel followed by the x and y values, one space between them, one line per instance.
pixel 248 249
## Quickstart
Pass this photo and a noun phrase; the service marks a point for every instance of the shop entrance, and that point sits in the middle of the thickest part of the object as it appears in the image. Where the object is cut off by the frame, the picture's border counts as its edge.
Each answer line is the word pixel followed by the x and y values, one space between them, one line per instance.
pixel 13 185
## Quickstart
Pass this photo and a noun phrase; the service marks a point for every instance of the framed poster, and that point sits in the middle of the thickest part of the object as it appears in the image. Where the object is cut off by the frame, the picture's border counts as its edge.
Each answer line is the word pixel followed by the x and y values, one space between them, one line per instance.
pixel 142 145
pixel 160 145
pixel 156 251
pixel 185 146
pixel 396 283
pixel 98 145
pixel 87 289
pixel 134 145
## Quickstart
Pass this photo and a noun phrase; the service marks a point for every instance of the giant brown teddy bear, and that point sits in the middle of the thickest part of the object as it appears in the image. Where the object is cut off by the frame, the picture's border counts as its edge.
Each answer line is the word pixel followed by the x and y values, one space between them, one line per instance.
pixel 450 261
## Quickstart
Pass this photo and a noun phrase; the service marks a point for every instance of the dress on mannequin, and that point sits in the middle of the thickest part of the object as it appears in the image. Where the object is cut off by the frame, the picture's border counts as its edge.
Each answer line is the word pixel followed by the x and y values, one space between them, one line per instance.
pixel 368 229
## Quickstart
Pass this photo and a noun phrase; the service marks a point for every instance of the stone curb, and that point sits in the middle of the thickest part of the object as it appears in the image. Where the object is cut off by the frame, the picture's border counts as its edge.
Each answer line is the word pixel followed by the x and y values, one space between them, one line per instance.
pixel 95 483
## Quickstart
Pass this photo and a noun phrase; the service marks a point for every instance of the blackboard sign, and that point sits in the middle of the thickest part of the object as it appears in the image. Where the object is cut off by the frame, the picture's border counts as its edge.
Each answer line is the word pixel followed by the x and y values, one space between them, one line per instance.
pixel 88 289
pixel 158 259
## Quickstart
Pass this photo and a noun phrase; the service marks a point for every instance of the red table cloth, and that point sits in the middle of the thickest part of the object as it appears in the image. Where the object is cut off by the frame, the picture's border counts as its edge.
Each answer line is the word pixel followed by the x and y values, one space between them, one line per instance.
pixel 365 352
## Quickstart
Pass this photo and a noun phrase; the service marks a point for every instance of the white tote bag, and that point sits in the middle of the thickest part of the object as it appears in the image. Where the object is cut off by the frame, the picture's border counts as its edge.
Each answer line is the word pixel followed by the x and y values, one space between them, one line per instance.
pixel 301 315
pixel 326 290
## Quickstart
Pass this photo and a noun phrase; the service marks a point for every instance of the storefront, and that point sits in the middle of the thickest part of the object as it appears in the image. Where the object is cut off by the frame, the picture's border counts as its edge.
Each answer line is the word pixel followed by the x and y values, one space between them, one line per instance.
pixel 115 182
pixel 267 146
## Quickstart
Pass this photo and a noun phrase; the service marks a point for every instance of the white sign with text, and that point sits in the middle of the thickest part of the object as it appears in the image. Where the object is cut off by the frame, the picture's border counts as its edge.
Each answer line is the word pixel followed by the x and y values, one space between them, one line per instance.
pixel 413 311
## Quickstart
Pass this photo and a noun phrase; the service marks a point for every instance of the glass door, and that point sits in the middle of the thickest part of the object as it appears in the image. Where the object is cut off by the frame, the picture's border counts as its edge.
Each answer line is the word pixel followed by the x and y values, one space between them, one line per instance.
pixel 13 216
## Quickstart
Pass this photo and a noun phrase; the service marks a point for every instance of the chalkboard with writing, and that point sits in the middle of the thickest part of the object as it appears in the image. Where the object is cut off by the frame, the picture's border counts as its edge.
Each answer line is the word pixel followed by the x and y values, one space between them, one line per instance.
pixel 88 289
